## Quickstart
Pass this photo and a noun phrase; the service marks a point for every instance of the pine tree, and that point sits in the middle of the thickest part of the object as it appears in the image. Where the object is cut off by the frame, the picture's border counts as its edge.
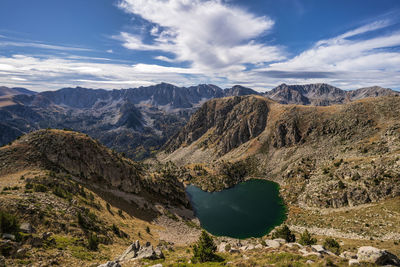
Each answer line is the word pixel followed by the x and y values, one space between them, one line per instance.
pixel 204 249
pixel 307 239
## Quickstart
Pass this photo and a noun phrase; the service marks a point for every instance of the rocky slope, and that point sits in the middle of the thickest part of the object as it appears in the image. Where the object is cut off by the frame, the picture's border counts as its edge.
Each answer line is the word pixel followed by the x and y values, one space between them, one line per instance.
pixel 343 155
pixel 89 162
pixel 322 94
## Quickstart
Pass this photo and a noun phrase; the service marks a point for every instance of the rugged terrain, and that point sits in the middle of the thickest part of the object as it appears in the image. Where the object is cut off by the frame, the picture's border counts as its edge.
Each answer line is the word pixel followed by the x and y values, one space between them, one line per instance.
pixel 321 94
pixel 342 158
pixel 135 121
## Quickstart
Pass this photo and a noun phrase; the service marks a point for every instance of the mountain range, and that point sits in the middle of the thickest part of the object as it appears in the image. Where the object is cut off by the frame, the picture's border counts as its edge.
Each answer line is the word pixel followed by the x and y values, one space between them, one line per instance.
pixel 138 121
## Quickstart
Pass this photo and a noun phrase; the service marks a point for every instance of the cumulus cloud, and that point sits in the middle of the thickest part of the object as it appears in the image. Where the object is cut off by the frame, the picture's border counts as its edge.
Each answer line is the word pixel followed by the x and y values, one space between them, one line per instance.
pixel 209 34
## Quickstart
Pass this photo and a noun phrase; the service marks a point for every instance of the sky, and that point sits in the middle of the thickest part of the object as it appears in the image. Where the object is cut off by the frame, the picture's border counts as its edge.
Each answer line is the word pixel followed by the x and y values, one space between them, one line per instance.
pixel 112 44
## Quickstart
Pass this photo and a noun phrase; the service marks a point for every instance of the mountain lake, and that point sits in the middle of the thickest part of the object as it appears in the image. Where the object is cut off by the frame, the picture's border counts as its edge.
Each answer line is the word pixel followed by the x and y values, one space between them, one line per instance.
pixel 249 209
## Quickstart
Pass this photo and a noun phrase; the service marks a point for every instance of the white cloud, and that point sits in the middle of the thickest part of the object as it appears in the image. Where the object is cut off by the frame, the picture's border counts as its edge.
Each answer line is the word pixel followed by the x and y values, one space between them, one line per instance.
pixel 41 46
pixel 210 34
pixel 54 72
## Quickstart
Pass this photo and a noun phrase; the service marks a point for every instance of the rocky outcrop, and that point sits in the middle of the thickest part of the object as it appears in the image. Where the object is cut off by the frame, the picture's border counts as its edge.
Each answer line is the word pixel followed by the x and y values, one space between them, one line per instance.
pixel 230 122
pixel 377 256
pixel 90 162
pixel 321 94
pixel 136 251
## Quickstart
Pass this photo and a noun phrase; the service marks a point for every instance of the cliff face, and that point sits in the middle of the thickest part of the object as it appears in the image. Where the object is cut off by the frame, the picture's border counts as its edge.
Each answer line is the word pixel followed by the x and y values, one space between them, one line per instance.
pixel 229 122
pixel 342 155
pixel 89 162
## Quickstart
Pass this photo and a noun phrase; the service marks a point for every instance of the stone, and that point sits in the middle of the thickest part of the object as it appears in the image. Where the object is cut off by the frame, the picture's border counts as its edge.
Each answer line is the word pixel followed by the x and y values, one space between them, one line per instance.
pixel 221 247
pixel 27 228
pixel 272 243
pixel 130 252
pixel 157 265
pixel 250 247
pixel 309 262
pixel 110 264
pixel 318 248
pixel 348 255
pixel 353 262
pixel 377 256
pixel 147 252
pixel 9 237
pixel 159 253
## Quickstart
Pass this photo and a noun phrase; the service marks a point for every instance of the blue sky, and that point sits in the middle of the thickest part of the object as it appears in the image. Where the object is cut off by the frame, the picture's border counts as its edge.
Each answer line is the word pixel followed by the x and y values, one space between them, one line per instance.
pixel 49 44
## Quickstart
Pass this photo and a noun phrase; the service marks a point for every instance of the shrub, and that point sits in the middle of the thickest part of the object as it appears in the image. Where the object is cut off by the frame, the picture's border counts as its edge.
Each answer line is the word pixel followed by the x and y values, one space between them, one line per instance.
pixel 307 239
pixel 228 247
pixel 8 223
pixel 341 185
pixel 285 233
pixel 204 249
pixel 39 188
pixel 93 242
pixel 147 230
pixel 332 245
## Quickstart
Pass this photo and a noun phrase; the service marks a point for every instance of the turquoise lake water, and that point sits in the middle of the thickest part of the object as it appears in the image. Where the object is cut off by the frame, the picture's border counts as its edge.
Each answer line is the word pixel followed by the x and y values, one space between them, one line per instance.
pixel 249 209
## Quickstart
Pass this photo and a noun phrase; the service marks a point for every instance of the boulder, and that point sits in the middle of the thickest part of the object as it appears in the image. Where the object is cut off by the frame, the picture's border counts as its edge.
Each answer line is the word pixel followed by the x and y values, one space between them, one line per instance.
pixel 221 247
pixel 157 265
pixel 309 262
pixel 146 252
pixel 250 247
pixel 130 252
pixel 272 243
pixel 353 262
pixel 318 248
pixel 159 253
pixel 27 228
pixel 110 264
pixel 9 237
pixel 377 256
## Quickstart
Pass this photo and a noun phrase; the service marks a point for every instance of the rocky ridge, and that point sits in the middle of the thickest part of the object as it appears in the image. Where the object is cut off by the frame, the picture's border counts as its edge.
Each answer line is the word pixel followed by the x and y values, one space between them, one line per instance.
pixel 321 94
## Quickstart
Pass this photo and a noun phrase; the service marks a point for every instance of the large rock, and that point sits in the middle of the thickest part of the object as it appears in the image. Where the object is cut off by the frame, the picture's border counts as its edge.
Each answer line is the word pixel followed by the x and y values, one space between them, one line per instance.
pixel 27 228
pixel 110 264
pixel 377 256
pixel 221 247
pixel 272 243
pixel 147 252
pixel 9 236
pixel 130 252
pixel 135 251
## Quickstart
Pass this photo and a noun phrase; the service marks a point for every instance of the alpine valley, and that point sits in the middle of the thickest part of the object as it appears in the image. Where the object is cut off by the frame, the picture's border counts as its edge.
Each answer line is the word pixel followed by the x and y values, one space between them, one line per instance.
pixel 98 177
